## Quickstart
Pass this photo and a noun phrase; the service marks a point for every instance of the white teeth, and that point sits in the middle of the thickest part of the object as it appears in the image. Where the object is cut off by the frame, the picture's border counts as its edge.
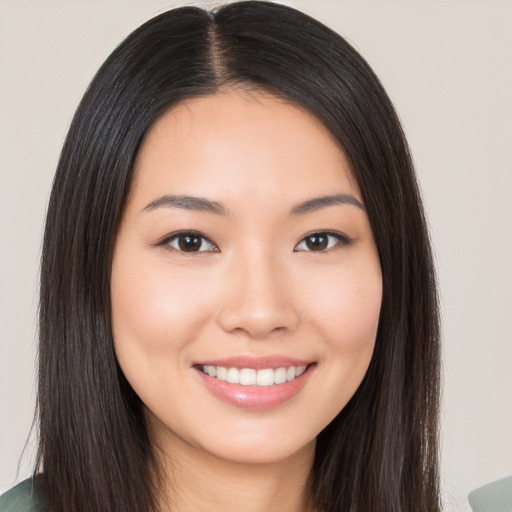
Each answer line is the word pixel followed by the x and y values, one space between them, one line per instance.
pixel 248 377
pixel 251 377
pixel 280 376
pixel 265 377
pixel 221 373
pixel 210 370
pixel 233 376
pixel 290 373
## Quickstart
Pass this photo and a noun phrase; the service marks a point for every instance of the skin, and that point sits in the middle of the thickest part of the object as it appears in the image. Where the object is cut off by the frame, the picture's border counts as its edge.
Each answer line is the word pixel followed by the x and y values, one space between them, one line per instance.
pixel 255 288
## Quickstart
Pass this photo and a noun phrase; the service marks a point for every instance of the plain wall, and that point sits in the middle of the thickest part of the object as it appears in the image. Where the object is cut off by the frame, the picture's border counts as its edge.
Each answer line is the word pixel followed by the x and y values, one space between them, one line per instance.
pixel 447 65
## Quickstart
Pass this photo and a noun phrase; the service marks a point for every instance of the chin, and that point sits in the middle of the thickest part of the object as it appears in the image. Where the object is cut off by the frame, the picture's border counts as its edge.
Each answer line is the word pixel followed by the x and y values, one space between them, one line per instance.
pixel 264 452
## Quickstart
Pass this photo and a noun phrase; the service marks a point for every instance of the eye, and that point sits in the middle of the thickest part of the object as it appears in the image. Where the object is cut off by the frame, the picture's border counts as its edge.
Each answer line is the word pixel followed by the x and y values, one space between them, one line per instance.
pixel 323 241
pixel 189 242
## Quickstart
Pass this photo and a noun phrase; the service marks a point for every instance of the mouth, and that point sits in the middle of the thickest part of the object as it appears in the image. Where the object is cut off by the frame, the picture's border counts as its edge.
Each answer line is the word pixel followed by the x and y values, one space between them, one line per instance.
pixel 264 377
pixel 255 383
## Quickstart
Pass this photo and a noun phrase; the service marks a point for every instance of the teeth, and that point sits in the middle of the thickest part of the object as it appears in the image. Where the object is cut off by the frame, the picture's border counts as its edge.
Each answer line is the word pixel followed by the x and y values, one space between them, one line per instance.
pixel 210 370
pixel 265 377
pixel 248 377
pixel 221 373
pixel 233 376
pixel 300 370
pixel 280 376
pixel 251 377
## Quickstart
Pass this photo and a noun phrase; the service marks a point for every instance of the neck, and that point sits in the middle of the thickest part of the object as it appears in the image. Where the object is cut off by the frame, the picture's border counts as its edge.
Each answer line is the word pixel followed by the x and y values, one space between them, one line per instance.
pixel 200 482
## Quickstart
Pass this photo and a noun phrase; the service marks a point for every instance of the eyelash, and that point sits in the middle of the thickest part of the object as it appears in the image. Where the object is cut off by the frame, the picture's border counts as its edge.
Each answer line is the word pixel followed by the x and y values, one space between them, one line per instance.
pixel 341 241
pixel 166 242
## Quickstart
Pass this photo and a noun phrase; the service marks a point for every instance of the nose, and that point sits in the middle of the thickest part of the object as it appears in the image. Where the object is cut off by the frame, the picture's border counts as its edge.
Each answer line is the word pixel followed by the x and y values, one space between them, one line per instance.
pixel 258 301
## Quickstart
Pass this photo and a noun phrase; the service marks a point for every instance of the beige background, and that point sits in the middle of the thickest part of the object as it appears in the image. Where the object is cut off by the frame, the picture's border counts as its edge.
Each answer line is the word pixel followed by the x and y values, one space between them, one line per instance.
pixel 447 66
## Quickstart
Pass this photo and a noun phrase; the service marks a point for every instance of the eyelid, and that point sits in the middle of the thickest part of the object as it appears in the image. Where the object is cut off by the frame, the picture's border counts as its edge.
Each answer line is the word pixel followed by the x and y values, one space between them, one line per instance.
pixel 342 241
pixel 165 241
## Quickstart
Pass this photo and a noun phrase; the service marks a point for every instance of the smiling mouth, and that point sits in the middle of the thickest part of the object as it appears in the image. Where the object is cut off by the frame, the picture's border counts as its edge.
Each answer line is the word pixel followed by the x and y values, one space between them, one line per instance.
pixel 265 377
pixel 256 383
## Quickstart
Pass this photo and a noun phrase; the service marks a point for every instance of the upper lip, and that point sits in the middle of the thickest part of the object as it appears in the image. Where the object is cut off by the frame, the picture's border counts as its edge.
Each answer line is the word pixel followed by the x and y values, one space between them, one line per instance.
pixel 255 362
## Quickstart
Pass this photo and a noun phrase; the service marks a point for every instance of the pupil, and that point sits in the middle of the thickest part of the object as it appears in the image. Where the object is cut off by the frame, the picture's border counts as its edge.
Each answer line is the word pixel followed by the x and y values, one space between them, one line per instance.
pixel 317 242
pixel 189 243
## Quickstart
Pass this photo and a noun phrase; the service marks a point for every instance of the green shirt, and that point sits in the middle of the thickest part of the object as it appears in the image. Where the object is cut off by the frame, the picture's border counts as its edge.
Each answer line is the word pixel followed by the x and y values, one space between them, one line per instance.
pixel 22 498
pixel 493 497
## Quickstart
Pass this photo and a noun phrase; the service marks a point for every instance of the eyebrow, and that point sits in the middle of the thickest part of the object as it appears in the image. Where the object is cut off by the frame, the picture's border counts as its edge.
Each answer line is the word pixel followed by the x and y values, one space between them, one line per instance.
pixel 317 203
pixel 187 203
pixel 205 205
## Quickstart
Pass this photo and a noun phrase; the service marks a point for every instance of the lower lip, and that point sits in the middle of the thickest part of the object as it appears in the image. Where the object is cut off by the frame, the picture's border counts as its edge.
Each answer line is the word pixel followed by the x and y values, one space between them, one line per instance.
pixel 255 397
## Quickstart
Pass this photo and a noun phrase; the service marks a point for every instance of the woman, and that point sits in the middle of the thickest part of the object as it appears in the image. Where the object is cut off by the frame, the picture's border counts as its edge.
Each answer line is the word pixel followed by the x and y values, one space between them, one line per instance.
pixel 238 305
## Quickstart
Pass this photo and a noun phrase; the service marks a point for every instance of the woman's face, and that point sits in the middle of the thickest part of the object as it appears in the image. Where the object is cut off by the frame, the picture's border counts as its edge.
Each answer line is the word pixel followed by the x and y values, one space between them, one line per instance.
pixel 246 285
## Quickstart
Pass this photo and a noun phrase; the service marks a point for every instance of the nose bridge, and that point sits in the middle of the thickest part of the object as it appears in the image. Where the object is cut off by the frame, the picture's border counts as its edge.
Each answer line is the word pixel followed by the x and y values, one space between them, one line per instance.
pixel 259 299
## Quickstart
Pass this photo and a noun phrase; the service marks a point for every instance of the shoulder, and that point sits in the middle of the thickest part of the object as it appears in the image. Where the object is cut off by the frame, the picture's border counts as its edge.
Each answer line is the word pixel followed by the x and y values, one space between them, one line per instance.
pixel 492 497
pixel 24 497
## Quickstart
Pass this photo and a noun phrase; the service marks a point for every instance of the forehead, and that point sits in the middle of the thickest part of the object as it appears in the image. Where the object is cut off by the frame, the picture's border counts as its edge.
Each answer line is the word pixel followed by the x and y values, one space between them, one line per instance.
pixel 236 143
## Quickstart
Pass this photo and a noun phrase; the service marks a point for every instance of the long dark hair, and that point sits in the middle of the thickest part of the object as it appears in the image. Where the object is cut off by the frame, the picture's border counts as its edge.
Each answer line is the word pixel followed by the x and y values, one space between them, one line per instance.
pixel 380 452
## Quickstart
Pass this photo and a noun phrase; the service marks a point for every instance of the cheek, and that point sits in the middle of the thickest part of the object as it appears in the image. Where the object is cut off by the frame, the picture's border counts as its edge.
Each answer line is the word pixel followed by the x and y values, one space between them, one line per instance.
pixel 345 306
pixel 341 308
pixel 155 309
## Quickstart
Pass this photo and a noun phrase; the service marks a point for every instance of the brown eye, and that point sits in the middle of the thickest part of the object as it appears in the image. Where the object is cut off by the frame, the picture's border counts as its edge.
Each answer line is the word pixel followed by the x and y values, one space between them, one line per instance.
pixel 322 241
pixel 189 242
pixel 317 242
